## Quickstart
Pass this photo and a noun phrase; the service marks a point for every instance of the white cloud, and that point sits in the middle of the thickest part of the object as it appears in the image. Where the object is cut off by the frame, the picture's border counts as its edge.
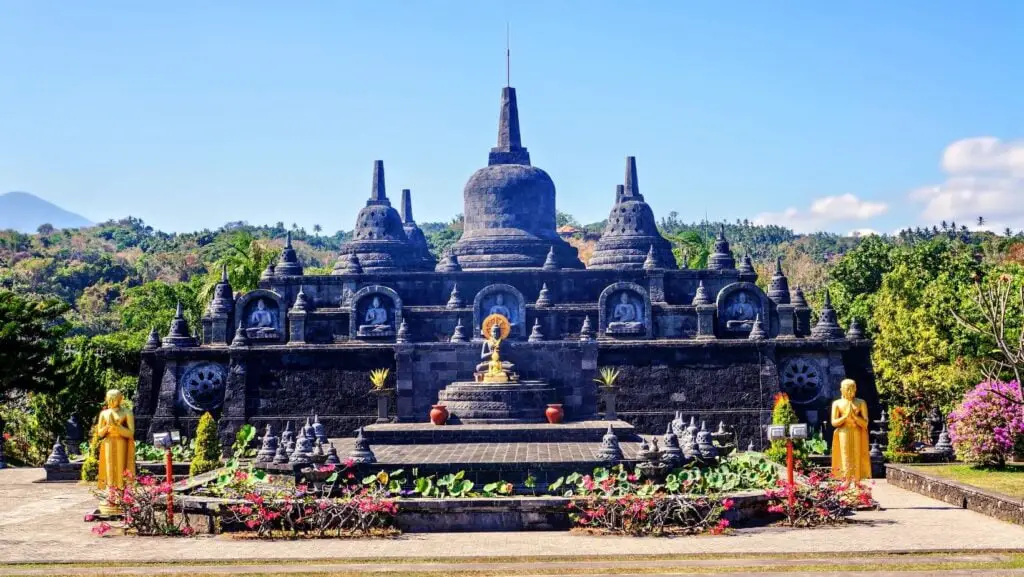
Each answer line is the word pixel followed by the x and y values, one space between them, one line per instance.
pixel 824 211
pixel 863 232
pixel 985 177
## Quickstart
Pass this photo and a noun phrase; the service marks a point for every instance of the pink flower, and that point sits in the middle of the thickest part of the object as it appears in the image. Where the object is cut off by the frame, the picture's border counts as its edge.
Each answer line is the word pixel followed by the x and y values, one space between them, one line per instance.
pixel 102 529
pixel 89 518
pixel 251 523
pixel 349 462
pixel 728 504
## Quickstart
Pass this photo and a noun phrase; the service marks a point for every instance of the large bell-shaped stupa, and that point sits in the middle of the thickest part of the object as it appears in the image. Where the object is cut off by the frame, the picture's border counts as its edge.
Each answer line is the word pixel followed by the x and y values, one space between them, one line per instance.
pixel 510 207
pixel 379 239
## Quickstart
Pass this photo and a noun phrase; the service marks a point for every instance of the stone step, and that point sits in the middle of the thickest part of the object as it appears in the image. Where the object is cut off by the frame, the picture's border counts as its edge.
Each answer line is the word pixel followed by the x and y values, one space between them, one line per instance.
pixel 427 433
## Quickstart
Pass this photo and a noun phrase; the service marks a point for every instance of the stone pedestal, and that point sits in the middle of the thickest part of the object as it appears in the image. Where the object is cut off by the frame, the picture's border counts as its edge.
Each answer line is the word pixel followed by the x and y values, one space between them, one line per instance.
pixel 609 405
pixel 383 406
pixel 706 321
pixel 787 321
pixel 521 402
pixel 297 327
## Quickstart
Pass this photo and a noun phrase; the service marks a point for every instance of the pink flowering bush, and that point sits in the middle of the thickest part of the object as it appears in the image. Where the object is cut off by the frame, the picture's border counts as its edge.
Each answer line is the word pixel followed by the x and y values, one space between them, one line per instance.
pixel 820 500
pixel 652 515
pixel 143 507
pixel 988 426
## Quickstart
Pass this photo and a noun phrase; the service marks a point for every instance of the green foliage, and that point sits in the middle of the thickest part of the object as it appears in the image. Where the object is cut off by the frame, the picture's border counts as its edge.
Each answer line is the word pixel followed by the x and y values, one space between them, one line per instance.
pixel 902 435
pixel 207 457
pixel 31 334
pixel 921 355
pixel 448 486
pixel 816 445
pixel 242 448
pixel 91 464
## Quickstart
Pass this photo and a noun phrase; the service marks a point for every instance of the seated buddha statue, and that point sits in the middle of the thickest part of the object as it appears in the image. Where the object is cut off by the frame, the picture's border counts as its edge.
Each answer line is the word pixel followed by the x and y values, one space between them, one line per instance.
pixel 261 323
pixel 626 317
pixel 741 313
pixel 493 367
pixel 375 321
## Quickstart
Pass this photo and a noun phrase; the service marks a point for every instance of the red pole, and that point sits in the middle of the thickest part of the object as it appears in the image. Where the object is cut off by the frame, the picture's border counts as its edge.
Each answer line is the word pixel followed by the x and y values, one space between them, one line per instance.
pixel 170 486
pixel 789 472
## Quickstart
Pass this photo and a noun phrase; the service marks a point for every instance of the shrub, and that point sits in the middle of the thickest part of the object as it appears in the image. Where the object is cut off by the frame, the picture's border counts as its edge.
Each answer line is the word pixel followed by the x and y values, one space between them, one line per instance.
pixel 91 464
pixel 143 506
pixel 987 425
pixel 821 500
pixel 657 515
pixel 207 457
pixel 901 435
pixel 783 414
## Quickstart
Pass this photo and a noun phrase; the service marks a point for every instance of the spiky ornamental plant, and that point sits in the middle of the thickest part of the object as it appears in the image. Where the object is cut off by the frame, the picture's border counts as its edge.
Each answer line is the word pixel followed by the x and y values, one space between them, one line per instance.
pixel 608 377
pixel 207 456
pixel 379 378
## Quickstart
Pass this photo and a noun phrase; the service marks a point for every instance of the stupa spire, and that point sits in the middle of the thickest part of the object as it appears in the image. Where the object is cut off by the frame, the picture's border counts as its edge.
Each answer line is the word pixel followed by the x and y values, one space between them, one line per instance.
pixel 510 143
pixel 632 188
pixel 406 213
pixel 377 193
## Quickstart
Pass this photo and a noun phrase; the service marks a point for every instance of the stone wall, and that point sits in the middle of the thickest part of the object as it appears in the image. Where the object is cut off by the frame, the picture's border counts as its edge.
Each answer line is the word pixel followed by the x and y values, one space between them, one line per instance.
pixel 733 383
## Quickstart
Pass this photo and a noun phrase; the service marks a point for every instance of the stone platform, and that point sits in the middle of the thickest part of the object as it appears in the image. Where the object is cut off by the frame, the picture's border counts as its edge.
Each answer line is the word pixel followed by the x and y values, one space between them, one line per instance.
pixel 427 433
pixel 518 402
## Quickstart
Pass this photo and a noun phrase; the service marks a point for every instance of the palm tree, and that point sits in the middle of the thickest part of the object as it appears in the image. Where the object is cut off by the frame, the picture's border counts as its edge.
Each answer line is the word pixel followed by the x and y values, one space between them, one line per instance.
pixel 245 258
pixel 981 221
pixel 316 229
pixel 1007 232
pixel 945 225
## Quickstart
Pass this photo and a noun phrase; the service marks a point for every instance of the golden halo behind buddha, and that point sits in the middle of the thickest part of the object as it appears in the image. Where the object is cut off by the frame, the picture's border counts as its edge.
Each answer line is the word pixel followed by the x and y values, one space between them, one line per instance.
pixel 496 319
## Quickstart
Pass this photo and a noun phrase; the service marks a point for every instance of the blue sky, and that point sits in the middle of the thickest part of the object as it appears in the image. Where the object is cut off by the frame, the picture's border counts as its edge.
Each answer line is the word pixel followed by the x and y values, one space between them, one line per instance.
pixel 818 115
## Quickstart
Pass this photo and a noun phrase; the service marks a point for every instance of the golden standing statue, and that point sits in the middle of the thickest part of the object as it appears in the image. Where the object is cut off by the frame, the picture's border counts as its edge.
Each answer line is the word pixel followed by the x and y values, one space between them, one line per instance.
pixel 115 430
pixel 850 458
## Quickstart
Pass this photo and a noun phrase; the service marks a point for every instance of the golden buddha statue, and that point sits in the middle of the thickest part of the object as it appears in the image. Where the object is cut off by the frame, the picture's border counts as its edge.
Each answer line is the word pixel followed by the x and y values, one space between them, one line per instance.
pixel 115 430
pixel 850 459
pixel 495 329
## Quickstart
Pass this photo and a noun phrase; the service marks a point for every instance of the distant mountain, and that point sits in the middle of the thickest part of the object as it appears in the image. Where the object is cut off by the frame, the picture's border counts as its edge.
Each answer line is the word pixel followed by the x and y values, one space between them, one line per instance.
pixel 25 212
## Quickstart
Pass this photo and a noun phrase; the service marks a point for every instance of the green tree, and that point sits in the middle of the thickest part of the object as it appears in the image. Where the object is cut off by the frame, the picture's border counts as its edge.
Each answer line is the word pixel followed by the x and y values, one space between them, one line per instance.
pixel 31 336
pixel 689 246
pixel 857 278
pixel 564 218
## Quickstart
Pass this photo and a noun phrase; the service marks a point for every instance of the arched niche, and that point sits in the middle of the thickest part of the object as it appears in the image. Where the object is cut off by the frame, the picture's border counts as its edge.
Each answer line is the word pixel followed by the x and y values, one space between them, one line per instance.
pixel 738 305
pixel 262 316
pixel 624 311
pixel 375 312
pixel 500 298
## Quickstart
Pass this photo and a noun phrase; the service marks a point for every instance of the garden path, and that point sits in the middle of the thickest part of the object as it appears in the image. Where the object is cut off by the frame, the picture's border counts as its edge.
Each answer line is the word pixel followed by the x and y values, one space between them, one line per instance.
pixel 42 522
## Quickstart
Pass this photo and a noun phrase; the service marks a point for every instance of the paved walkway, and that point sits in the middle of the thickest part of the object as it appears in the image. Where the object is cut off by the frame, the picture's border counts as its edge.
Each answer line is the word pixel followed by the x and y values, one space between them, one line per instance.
pixel 42 522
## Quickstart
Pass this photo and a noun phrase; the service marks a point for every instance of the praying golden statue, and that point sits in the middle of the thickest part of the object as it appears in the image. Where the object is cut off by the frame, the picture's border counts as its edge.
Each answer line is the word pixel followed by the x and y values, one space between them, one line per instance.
pixel 850 459
pixel 115 430
pixel 495 329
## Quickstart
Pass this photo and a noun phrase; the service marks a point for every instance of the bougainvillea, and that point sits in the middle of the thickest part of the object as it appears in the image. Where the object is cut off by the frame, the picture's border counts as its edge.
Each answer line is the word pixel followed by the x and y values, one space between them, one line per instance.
pixel 987 426
pixel 652 515
pixel 820 500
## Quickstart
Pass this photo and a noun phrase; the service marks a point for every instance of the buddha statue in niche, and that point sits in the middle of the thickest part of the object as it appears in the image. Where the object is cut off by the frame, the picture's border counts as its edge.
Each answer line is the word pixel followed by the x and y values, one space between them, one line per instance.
pixel 741 312
pixel 261 322
pixel 375 321
pixel 499 308
pixel 627 317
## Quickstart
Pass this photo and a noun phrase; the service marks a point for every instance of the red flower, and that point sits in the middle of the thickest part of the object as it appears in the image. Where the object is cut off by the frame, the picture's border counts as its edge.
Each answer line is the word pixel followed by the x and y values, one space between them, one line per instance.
pixel 728 504
pixel 102 529
pixel 349 462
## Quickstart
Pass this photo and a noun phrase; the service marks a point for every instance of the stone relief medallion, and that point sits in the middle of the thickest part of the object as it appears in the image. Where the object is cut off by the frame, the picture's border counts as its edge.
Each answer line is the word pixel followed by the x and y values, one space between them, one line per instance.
pixel 801 378
pixel 741 308
pixel 202 386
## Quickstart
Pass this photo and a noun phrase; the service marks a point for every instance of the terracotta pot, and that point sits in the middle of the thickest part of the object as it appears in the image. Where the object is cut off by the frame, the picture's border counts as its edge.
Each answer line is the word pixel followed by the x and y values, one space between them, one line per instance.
pixel 554 413
pixel 439 414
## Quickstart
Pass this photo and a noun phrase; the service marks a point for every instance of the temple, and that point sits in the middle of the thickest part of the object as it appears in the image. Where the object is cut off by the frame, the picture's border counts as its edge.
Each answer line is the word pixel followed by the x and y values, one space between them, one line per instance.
pixel 704 343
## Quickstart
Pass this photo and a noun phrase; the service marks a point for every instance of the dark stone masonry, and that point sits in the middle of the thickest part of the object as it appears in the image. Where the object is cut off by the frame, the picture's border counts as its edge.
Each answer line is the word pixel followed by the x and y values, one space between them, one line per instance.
pixel 709 343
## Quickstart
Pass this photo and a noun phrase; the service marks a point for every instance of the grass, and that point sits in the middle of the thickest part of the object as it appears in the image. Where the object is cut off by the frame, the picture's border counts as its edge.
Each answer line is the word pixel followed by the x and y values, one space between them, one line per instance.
pixel 866 563
pixel 1008 481
pixel 811 566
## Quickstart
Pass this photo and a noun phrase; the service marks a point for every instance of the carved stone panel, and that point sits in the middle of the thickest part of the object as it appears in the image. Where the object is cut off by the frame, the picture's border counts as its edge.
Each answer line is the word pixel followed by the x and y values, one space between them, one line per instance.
pixel 202 386
pixel 625 311
pixel 804 379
